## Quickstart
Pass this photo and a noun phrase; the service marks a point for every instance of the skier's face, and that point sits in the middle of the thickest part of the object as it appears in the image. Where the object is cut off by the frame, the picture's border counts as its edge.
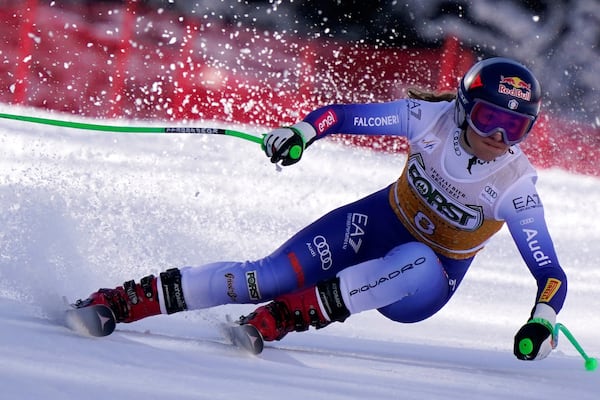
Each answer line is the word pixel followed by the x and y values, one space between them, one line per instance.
pixel 486 148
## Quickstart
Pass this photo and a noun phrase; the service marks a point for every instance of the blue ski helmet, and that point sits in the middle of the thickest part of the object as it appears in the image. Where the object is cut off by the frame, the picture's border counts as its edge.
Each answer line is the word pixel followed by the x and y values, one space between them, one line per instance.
pixel 502 82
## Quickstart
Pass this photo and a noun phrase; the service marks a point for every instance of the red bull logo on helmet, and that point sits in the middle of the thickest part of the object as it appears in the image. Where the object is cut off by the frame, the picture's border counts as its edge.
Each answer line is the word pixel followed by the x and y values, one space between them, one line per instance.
pixel 514 86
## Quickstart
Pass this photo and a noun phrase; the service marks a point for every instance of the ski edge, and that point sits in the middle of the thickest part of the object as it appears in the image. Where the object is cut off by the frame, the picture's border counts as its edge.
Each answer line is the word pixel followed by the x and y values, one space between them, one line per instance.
pixel 99 321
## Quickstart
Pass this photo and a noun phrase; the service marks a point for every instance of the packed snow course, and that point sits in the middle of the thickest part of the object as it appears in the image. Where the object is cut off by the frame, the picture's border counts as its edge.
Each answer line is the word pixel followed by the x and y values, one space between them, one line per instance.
pixel 83 210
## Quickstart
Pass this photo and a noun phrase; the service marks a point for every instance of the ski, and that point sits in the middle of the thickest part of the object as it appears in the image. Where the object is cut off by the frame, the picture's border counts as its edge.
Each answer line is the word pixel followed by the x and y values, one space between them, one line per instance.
pixel 244 337
pixel 99 320
pixel 94 320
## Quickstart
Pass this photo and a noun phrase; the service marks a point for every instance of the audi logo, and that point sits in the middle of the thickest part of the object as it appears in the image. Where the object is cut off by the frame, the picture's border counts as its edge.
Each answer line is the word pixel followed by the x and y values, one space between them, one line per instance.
pixel 491 192
pixel 324 253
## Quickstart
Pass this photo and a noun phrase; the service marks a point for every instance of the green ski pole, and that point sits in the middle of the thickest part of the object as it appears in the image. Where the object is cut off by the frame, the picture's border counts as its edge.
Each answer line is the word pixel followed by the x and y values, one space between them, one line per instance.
pixel 590 362
pixel 295 151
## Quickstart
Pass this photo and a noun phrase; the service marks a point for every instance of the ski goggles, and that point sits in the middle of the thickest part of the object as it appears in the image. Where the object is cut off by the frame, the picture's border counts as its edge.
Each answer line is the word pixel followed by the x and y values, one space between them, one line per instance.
pixel 487 118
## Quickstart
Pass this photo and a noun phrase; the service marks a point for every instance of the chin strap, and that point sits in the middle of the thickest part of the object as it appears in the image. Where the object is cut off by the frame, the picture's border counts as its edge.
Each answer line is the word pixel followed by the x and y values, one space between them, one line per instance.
pixel 463 135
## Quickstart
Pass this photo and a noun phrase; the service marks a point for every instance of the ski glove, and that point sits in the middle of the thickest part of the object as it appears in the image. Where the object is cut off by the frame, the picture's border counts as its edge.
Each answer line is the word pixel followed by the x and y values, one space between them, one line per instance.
pixel 287 144
pixel 534 341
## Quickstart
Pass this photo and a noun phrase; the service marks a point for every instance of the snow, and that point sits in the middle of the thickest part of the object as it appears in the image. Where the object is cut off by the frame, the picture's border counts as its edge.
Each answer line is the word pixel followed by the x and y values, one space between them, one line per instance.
pixel 83 210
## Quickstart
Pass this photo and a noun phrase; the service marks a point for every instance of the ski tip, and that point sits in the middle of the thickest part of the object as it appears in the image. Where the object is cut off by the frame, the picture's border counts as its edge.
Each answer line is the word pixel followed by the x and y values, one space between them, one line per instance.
pixel 96 320
pixel 255 341
pixel 244 337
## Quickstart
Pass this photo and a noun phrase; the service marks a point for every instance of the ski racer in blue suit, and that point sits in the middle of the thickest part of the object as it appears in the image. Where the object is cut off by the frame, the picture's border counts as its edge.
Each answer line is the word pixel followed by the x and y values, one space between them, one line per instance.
pixel 404 249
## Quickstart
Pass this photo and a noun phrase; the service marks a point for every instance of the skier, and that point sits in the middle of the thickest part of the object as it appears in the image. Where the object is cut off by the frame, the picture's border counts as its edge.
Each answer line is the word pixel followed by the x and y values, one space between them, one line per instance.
pixel 404 249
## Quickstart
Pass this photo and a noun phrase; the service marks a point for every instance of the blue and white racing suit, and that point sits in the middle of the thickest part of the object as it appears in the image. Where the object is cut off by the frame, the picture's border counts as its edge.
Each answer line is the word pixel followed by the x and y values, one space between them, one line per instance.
pixel 404 249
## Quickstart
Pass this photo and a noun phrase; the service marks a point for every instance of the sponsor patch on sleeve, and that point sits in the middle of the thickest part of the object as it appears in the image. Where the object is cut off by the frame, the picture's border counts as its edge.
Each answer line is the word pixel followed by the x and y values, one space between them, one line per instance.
pixel 326 121
pixel 523 203
pixel 552 286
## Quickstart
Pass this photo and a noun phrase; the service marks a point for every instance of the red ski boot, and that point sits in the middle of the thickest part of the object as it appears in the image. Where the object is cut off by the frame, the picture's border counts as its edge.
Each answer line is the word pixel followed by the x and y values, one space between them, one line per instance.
pixel 133 301
pixel 299 310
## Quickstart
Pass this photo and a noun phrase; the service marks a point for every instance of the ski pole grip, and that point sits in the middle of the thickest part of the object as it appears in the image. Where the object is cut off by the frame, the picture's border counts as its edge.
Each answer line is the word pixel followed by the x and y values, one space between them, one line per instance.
pixel 526 346
pixel 295 152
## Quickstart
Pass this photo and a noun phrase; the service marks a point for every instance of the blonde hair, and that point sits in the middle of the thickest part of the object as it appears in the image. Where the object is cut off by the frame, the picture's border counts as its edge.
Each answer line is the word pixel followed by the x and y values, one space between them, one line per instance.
pixel 427 95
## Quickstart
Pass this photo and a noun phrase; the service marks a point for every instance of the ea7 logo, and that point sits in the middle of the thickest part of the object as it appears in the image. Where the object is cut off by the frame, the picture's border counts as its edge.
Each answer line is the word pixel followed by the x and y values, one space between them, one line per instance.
pixel 415 109
pixel 355 230
pixel 527 202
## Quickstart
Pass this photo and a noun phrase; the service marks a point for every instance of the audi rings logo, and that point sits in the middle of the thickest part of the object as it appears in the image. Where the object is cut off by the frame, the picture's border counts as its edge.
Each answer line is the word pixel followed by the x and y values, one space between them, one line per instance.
pixel 324 253
pixel 490 191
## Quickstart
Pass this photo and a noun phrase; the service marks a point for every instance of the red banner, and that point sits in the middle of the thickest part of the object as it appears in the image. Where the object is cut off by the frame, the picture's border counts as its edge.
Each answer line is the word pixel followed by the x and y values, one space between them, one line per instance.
pixel 108 60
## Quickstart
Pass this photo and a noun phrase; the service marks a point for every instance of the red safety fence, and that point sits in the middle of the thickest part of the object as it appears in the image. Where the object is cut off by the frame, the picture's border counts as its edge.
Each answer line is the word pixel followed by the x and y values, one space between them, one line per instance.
pixel 111 60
